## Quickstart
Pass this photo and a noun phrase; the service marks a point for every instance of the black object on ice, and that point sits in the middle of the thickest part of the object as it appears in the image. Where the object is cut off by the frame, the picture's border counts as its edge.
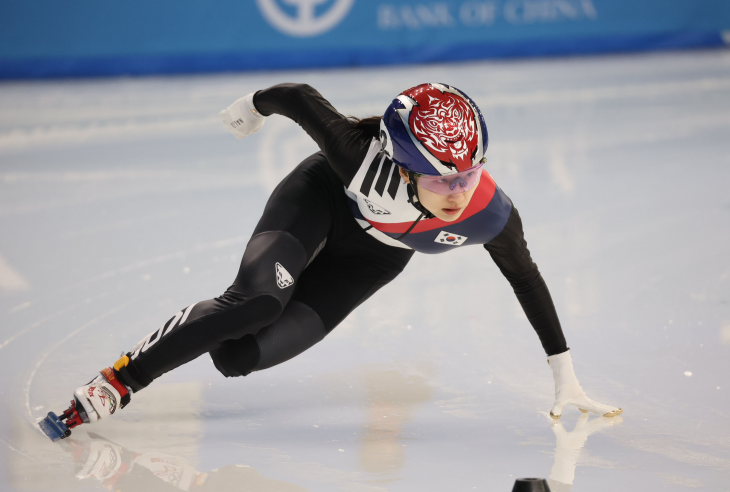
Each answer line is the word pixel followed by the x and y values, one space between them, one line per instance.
pixel 531 485
pixel 54 426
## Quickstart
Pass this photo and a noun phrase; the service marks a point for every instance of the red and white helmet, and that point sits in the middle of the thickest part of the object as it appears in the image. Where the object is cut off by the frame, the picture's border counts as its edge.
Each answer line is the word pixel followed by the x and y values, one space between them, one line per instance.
pixel 434 130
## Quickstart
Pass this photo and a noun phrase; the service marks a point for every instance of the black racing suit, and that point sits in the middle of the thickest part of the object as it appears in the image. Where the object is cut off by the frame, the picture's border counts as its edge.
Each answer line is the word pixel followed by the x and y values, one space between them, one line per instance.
pixel 309 263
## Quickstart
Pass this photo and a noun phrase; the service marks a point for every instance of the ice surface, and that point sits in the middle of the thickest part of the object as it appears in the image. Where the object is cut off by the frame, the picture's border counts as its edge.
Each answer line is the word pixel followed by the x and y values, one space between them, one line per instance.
pixel 123 200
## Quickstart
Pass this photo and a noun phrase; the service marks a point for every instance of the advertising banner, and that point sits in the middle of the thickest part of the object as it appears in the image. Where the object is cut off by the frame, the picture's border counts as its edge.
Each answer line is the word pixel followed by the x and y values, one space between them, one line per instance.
pixel 50 38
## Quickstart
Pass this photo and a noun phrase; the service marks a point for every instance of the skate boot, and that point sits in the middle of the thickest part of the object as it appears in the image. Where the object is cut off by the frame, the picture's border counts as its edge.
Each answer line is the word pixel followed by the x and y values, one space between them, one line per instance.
pixel 101 397
pixel 94 401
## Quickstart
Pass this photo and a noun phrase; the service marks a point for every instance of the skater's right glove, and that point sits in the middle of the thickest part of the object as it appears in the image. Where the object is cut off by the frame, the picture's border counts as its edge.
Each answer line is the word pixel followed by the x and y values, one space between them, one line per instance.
pixel 242 118
pixel 569 392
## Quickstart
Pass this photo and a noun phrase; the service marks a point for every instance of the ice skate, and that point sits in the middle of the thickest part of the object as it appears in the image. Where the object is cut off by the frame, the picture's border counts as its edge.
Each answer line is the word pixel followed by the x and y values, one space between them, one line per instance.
pixel 98 399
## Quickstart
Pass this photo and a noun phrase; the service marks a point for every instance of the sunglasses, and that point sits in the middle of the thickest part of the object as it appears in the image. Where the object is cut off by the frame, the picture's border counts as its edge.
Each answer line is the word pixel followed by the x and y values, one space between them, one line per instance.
pixel 453 183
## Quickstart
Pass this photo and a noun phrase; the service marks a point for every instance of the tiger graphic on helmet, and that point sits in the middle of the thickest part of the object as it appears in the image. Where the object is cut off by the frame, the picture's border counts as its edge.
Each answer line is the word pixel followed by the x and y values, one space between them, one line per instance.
pixel 445 124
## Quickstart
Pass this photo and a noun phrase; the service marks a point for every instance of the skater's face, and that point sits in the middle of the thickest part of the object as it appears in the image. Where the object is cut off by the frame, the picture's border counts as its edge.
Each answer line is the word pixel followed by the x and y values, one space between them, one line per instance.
pixel 445 207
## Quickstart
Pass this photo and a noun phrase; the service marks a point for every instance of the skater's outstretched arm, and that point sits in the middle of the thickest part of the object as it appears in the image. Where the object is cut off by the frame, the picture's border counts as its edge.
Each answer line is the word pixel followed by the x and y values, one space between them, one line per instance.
pixel 344 145
pixel 509 251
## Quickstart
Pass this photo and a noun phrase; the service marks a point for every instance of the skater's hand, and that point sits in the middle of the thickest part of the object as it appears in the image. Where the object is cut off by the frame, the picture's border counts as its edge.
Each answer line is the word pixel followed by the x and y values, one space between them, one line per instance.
pixel 569 392
pixel 241 118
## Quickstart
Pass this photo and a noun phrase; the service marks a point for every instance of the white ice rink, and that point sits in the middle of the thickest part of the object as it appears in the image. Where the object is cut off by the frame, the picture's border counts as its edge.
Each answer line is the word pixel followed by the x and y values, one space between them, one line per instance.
pixel 124 200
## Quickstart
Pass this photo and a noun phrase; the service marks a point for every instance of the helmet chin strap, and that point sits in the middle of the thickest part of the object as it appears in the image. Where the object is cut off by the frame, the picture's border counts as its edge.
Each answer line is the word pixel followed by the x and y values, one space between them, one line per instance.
pixel 413 197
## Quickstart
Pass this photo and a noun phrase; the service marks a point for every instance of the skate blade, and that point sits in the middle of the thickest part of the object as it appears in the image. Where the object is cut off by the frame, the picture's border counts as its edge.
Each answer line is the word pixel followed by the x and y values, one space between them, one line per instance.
pixel 54 428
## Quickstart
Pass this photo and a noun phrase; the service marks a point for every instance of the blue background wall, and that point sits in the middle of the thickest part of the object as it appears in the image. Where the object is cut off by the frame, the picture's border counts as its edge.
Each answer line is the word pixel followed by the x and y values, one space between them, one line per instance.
pixel 48 38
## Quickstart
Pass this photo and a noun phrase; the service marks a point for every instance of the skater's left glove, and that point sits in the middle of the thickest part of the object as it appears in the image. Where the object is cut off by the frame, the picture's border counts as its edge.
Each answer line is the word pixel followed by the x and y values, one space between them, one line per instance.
pixel 569 392
pixel 242 118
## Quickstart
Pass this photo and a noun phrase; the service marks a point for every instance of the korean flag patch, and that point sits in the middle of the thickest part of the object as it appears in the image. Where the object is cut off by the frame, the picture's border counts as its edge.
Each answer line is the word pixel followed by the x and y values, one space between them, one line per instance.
pixel 449 238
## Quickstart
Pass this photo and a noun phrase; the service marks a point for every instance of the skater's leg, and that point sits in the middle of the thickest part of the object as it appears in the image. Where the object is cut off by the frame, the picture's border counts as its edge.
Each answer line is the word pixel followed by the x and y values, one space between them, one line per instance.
pixel 297 329
pixel 255 301
pixel 295 224
pixel 342 277
pixel 243 309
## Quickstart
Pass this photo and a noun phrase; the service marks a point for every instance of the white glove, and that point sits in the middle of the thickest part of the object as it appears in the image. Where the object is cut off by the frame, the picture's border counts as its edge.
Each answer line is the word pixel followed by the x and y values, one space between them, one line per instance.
pixel 569 392
pixel 242 118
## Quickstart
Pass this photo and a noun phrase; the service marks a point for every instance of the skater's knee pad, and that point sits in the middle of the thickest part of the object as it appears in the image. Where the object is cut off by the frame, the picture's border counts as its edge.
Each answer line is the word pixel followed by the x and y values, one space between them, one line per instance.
pixel 271 264
pixel 236 357
pixel 296 330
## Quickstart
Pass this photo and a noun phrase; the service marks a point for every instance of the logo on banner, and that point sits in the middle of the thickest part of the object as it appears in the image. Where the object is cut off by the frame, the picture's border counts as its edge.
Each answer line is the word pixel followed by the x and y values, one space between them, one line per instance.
pixel 306 21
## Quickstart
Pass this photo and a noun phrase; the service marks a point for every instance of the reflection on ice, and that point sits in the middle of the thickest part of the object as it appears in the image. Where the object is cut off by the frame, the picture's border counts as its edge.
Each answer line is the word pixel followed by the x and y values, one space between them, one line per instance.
pixel 391 398
pixel 122 469
pixel 568 448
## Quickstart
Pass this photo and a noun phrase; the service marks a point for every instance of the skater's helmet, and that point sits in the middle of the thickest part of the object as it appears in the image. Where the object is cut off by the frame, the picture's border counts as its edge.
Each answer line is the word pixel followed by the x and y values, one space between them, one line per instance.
pixel 434 130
